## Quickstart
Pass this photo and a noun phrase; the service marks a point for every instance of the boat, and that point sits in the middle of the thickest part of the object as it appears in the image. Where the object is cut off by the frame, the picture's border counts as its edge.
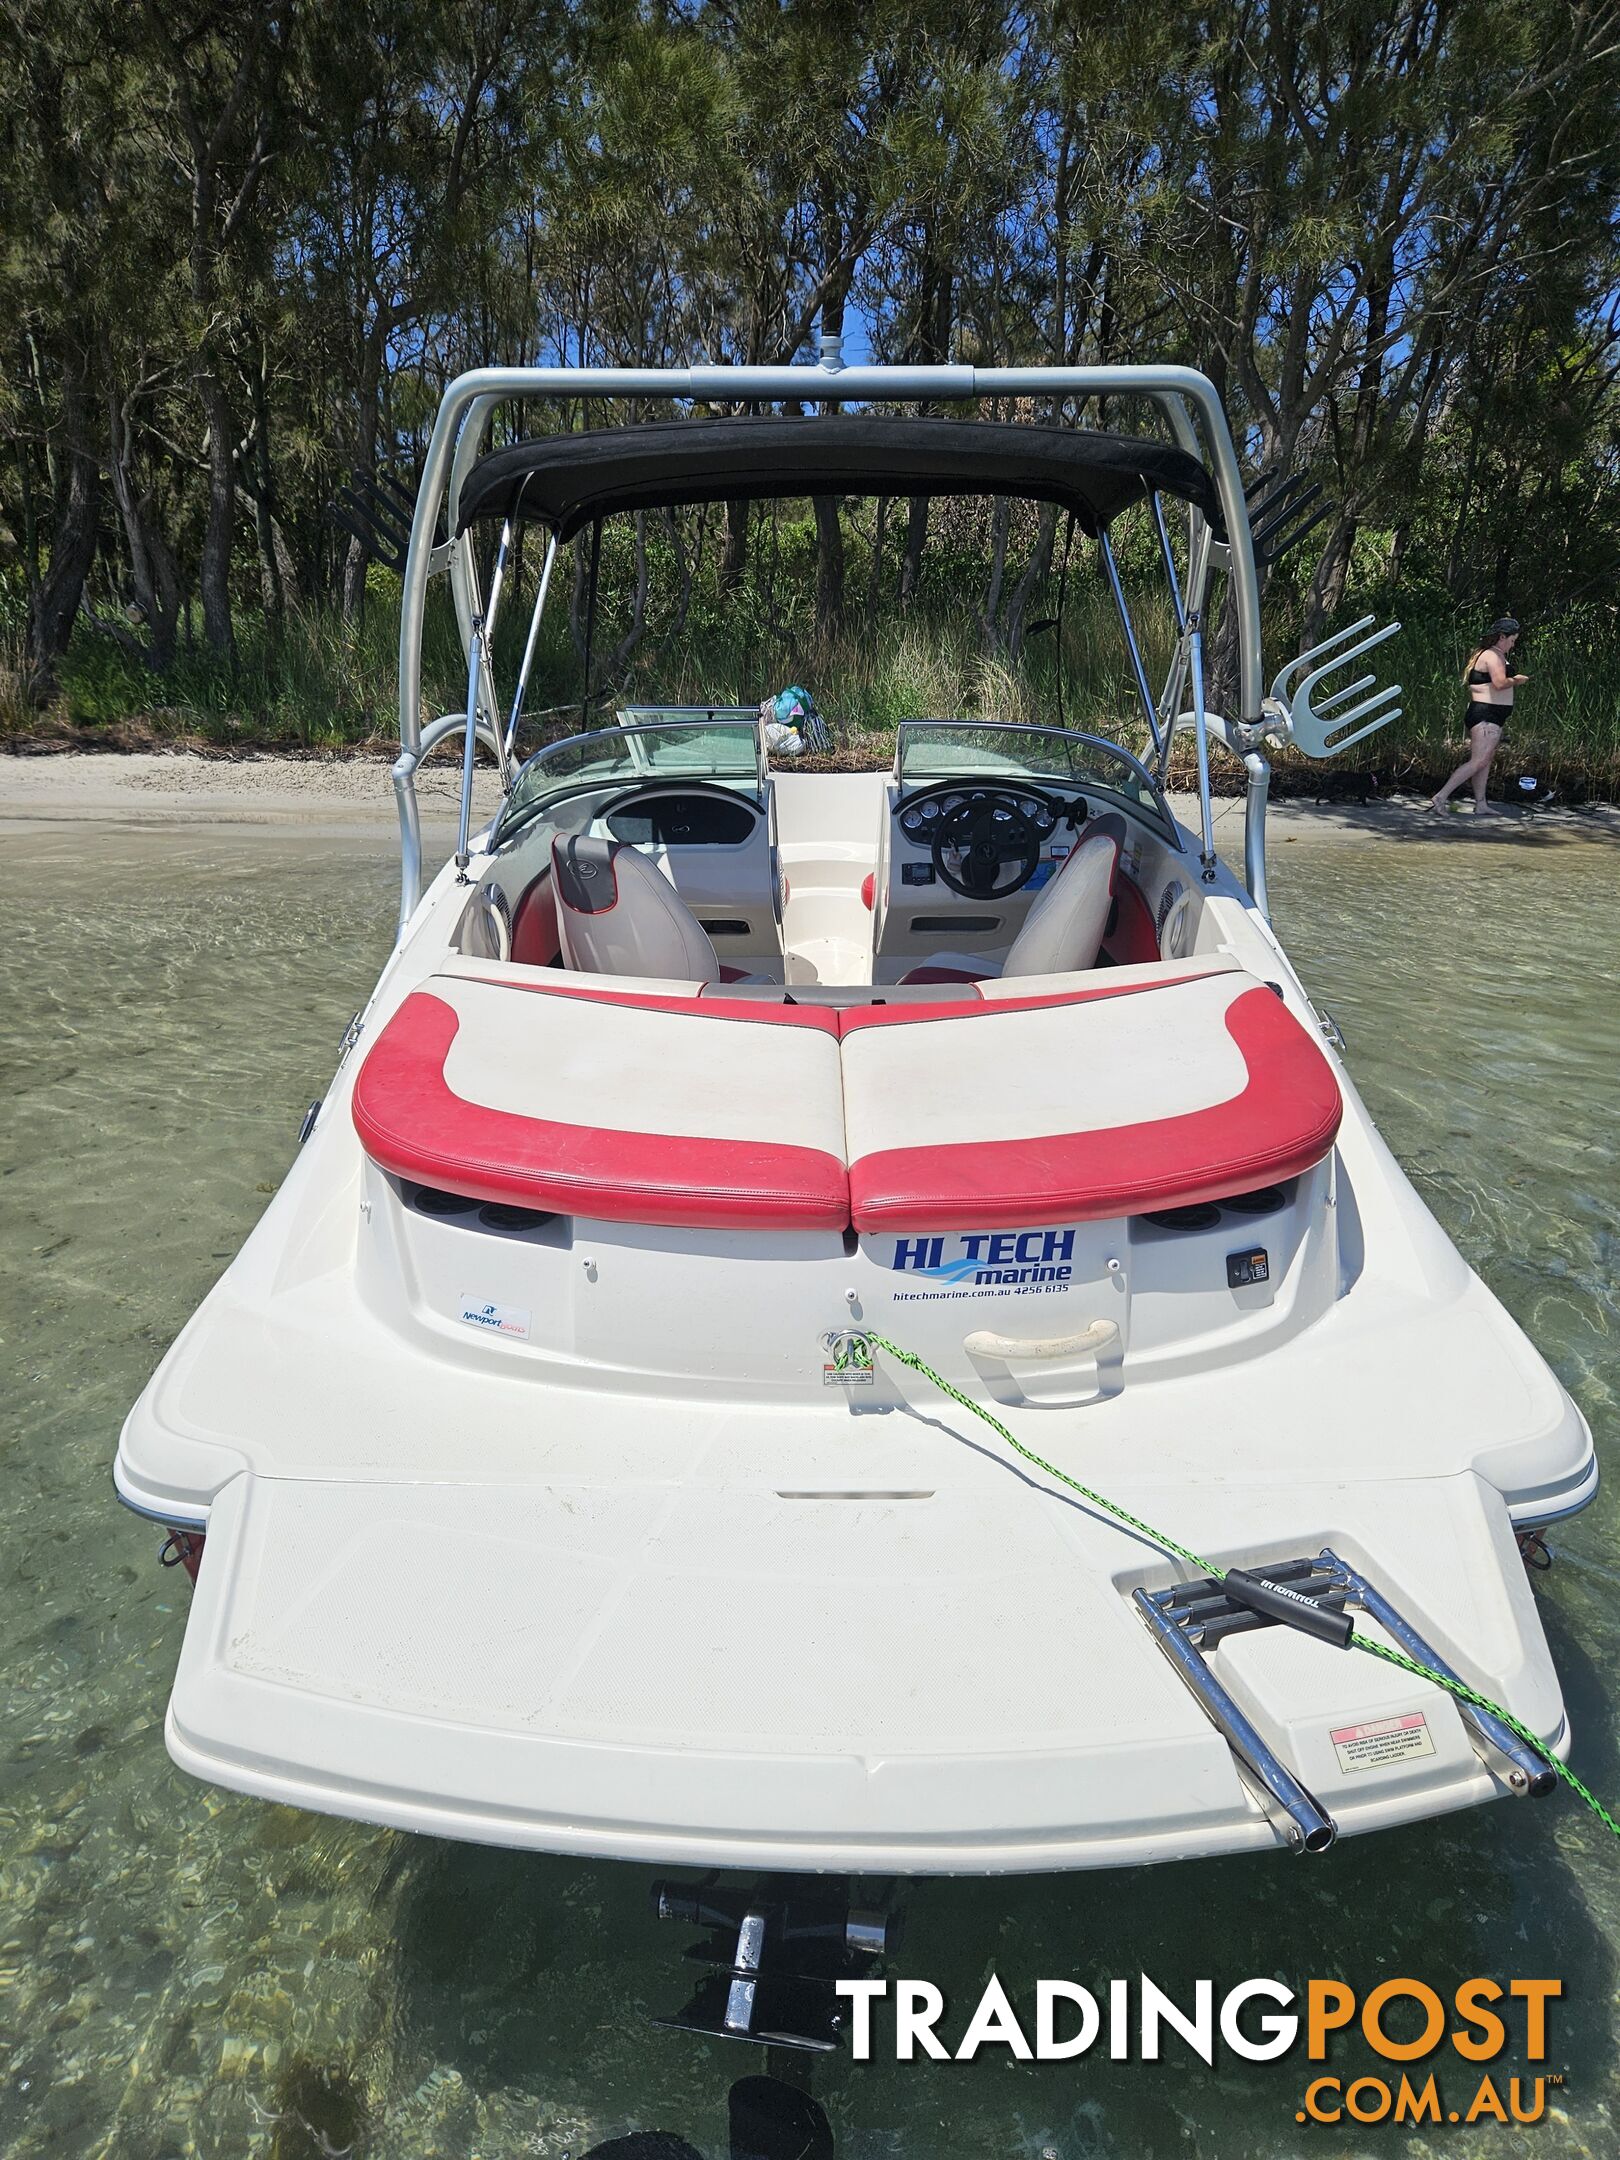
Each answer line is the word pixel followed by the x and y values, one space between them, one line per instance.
pixel 546 1463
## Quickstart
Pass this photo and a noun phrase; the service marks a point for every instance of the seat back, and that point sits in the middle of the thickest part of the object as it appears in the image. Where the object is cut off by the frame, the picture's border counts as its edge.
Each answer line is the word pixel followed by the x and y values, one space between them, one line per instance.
pixel 617 915
pixel 1067 923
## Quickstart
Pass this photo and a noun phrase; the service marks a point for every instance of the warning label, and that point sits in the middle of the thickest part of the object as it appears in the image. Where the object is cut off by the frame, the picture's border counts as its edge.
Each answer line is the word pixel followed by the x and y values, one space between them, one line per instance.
pixel 848 1360
pixel 1389 1740
pixel 848 1376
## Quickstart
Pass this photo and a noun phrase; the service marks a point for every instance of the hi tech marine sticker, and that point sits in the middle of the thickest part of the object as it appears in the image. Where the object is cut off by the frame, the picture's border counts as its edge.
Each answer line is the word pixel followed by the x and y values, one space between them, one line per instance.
pixel 980 1264
pixel 1386 1740
pixel 495 1319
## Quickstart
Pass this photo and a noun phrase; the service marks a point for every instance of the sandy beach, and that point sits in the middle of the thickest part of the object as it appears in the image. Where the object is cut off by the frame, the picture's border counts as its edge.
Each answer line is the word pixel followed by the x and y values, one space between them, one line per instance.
pixel 317 797
pixel 340 797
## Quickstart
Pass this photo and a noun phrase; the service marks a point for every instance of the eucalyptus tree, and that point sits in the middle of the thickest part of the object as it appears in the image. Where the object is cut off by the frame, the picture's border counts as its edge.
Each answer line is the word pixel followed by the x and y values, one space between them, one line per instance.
pixel 419 127
pixel 1350 186
pixel 53 97
pixel 213 80
pixel 951 144
pixel 100 296
pixel 247 240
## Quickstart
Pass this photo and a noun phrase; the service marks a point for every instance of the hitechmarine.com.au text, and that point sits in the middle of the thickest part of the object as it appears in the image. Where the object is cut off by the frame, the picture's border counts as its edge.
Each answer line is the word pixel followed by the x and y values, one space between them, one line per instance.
pixel 1434 2041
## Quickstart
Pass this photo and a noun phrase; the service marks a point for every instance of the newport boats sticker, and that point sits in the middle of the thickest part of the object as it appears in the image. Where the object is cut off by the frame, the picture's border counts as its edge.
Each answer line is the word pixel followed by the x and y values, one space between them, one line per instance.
pixel 982 1263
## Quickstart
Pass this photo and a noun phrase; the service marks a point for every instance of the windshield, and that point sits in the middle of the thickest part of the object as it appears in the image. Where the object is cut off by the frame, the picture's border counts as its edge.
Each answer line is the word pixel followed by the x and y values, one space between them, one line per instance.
pixel 705 747
pixel 957 749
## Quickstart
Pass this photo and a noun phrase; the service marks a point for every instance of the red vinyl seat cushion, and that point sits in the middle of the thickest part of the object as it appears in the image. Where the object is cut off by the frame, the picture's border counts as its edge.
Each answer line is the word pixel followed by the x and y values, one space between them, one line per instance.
pixel 585 1115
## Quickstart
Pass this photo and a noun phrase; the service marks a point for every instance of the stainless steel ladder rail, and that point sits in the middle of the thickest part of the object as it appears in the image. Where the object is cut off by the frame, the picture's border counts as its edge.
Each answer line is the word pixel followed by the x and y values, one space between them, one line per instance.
pixel 1188 1620
pixel 1310 1828
pixel 1527 1773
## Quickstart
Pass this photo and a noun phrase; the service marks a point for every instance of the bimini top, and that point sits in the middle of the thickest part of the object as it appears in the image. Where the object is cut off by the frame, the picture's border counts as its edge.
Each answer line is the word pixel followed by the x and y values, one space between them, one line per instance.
pixel 565 481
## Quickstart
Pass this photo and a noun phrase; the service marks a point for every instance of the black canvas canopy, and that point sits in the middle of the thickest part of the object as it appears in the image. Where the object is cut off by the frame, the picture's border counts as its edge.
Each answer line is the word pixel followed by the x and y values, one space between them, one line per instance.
pixel 566 481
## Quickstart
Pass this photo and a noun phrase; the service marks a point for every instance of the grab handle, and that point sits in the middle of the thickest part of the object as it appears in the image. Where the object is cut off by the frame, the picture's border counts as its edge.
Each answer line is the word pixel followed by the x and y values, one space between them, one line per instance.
pixel 1100 1336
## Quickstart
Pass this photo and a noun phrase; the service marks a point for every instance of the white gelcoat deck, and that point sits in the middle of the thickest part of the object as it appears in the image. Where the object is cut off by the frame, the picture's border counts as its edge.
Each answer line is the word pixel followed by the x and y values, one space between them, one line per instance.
pixel 641 1585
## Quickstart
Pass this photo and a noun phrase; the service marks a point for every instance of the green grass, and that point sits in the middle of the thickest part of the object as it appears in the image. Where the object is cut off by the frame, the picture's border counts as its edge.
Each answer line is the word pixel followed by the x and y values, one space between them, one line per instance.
pixel 315 685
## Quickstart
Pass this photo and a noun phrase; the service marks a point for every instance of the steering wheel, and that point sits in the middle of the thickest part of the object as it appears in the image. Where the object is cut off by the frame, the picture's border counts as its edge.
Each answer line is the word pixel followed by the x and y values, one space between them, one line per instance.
pixel 989 834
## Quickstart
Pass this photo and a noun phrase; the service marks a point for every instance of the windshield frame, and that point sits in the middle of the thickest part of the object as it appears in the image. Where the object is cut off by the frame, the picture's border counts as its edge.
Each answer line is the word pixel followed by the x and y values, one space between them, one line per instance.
pixel 1156 808
pixel 515 815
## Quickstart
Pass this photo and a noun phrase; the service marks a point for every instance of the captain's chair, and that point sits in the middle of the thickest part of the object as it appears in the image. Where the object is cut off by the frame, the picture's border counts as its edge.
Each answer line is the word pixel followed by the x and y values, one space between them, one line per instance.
pixel 1067 921
pixel 618 915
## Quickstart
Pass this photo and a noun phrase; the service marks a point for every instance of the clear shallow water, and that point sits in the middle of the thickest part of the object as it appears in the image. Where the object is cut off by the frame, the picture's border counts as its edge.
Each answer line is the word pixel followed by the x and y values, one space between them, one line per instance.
pixel 185 1972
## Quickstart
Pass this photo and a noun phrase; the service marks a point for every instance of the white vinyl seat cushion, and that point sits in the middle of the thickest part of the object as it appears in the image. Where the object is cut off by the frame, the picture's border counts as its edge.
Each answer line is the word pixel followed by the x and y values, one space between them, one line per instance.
pixel 631 1101
pixel 1068 920
pixel 1100 1102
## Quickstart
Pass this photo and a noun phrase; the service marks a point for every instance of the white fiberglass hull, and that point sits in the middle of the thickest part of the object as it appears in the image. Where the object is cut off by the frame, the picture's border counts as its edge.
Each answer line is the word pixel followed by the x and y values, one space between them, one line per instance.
pixel 633 1582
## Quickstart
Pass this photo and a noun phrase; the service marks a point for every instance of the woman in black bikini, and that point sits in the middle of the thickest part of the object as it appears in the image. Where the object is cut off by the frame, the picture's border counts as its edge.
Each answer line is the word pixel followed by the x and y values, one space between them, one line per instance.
pixel 1490 699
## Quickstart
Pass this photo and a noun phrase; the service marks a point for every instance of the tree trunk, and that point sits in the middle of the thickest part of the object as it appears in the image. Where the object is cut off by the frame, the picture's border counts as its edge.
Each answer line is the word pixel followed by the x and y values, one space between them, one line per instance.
pixel 152 570
pixel 54 602
pixel 874 570
pixel 638 611
pixel 215 575
pixel 930 343
pixel 1223 674
pixel 912 554
pixel 576 596
pixel 990 613
pixel 365 466
pixel 270 577
pixel 829 567
pixel 829 525
pixel 1035 574
pixel 1327 586
pixel 734 555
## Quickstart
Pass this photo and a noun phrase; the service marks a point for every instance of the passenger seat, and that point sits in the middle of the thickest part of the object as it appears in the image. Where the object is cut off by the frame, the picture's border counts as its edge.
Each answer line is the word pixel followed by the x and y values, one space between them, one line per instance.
pixel 618 915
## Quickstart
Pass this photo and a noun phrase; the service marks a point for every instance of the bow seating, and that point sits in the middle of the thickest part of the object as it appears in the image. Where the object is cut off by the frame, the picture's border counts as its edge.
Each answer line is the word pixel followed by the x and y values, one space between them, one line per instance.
pixel 1031 1101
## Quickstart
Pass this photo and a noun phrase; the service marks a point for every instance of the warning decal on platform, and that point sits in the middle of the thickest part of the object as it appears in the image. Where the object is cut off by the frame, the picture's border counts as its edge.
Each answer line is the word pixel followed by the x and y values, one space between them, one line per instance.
pixel 1387 1740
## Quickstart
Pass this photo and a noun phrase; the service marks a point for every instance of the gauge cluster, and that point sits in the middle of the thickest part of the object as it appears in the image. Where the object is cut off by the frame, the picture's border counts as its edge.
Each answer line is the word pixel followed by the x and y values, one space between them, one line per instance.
pixel 920 822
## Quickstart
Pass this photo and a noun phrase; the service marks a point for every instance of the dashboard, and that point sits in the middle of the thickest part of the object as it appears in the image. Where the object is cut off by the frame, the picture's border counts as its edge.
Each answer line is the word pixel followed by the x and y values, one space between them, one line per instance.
pixel 677 819
pixel 961 861
pixel 922 819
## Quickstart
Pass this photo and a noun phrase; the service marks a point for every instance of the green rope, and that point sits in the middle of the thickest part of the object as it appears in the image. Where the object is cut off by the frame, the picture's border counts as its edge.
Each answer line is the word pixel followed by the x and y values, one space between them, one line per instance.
pixel 859 1338
pixel 1464 1693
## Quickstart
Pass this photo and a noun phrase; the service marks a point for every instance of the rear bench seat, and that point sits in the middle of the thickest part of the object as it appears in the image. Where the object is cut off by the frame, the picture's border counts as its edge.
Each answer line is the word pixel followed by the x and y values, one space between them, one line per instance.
pixel 1038 1100
pixel 638 1104
pixel 1114 1099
